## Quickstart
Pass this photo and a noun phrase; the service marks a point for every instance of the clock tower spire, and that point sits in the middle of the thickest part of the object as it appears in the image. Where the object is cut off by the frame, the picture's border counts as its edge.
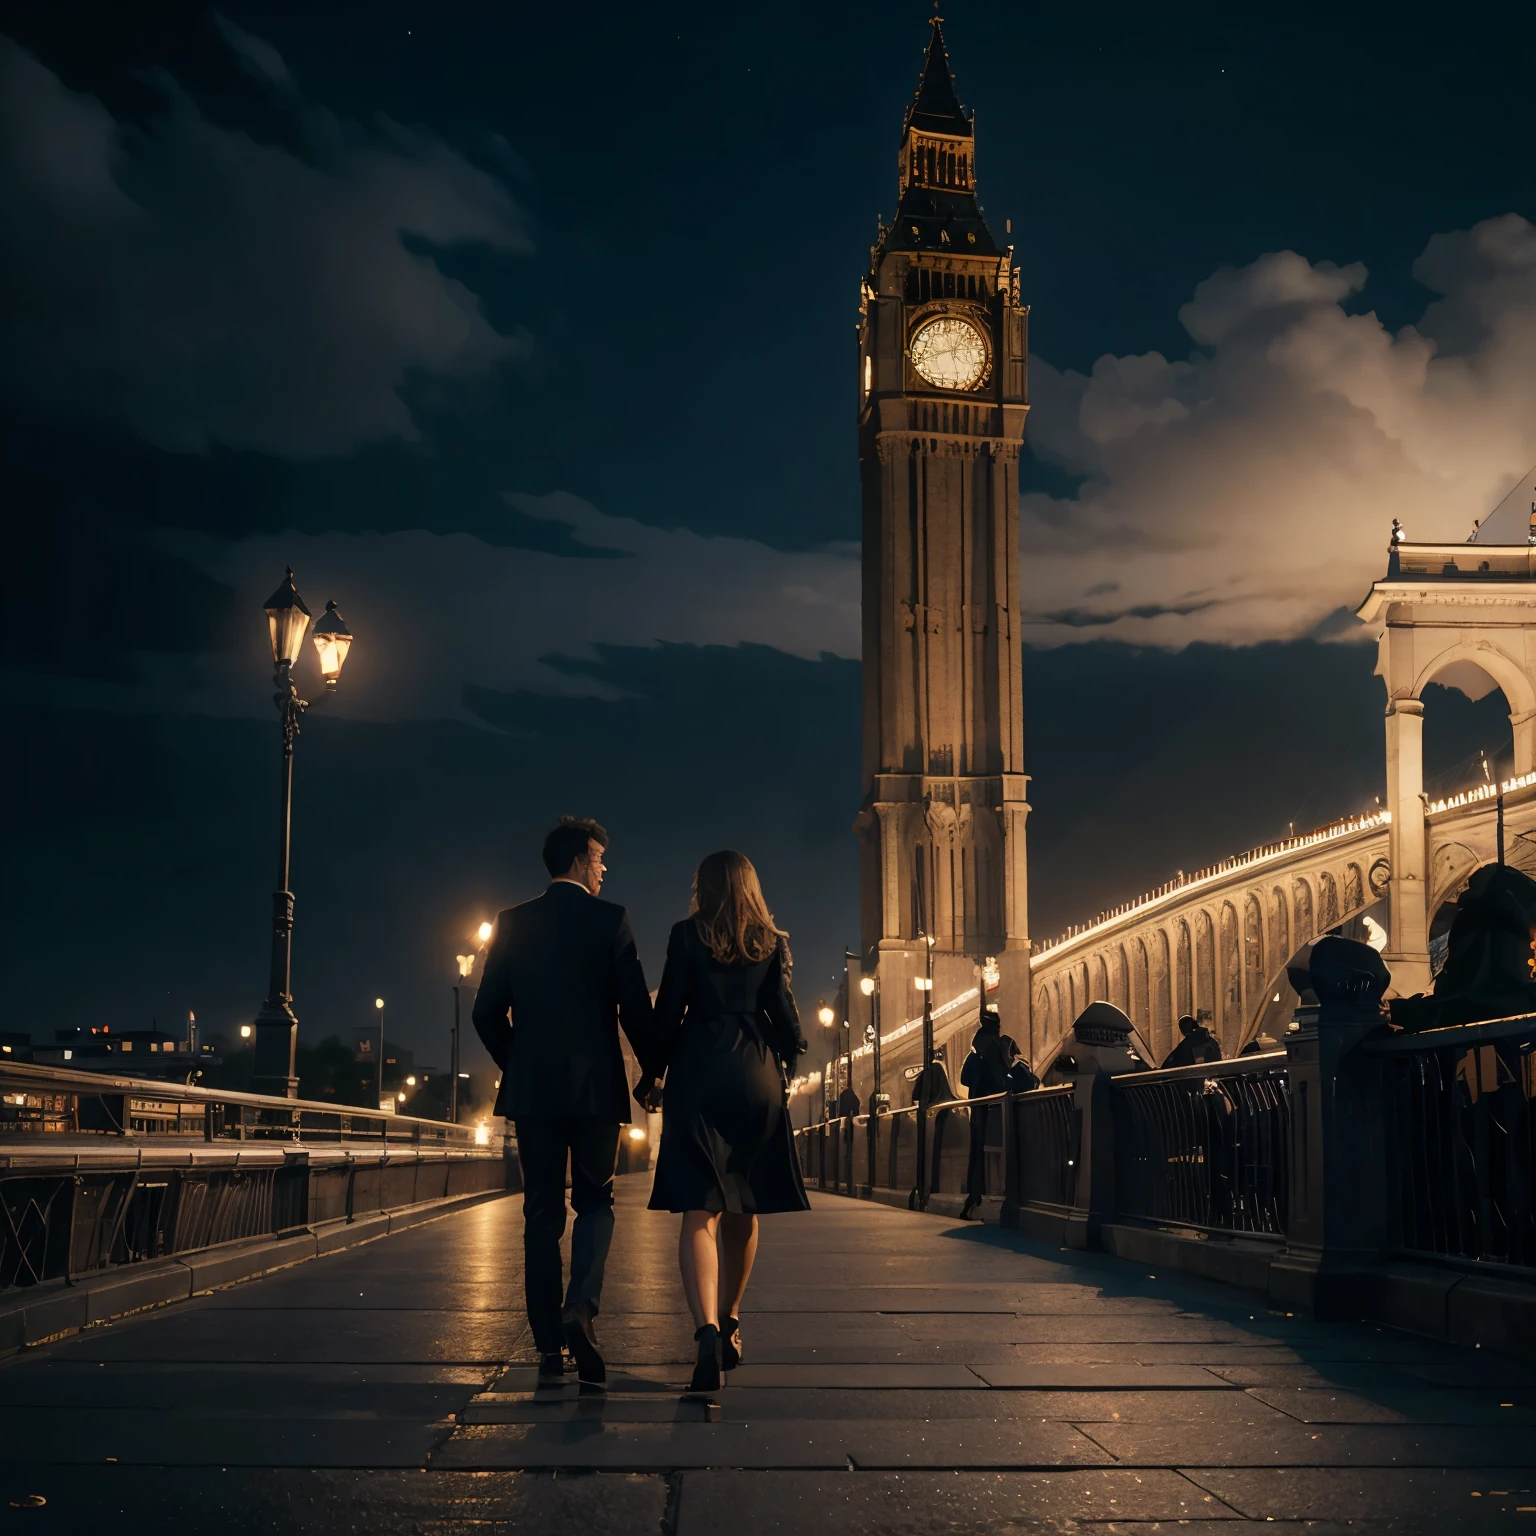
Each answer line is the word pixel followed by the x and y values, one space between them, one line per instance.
pixel 941 405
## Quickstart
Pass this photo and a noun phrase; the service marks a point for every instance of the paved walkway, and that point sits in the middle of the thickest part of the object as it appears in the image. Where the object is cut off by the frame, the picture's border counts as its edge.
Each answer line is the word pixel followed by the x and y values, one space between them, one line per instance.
pixel 906 1374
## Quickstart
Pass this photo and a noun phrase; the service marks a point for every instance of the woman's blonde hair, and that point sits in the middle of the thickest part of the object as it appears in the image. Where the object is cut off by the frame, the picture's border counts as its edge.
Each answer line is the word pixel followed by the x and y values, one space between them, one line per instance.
pixel 730 912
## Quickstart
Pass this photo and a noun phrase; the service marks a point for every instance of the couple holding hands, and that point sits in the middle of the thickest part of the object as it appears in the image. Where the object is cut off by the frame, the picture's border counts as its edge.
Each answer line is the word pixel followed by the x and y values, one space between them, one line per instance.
pixel 561 976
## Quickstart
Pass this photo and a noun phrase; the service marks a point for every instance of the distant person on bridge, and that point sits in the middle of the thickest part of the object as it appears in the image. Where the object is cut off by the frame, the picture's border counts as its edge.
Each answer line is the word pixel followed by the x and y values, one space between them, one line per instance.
pixel 729 1034
pixel 983 1073
pixel 561 975
pixel 1198 1045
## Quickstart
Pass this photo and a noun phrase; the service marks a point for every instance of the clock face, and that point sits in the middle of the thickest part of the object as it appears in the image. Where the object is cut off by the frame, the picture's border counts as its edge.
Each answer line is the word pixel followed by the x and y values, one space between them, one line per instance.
pixel 950 353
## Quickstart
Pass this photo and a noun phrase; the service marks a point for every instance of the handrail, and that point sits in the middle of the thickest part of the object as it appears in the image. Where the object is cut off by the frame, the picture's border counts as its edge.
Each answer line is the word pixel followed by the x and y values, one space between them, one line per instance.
pixel 1451 1035
pixel 24 1074
pixel 1228 1066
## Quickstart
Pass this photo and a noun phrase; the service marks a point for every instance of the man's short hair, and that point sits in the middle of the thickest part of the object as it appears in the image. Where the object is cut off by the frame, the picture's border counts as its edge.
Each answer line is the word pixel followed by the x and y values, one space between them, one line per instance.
pixel 1186 1024
pixel 568 842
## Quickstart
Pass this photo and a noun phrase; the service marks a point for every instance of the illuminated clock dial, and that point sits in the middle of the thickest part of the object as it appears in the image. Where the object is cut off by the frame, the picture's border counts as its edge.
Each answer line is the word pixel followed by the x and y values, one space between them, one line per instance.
pixel 950 353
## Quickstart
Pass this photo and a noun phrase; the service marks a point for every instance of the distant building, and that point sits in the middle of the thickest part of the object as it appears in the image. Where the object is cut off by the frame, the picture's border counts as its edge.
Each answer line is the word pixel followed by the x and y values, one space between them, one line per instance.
pixel 128 1052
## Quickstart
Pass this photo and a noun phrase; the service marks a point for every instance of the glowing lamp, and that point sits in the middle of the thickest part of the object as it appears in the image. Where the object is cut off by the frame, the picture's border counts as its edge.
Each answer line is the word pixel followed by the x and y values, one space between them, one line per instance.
pixel 410 1082
pixel 484 932
pixel 867 985
pixel 288 620
pixel 245 1031
pixel 378 1002
pixel 466 964
pixel 923 983
pixel 401 1097
pixel 482 1135
pixel 636 1134
pixel 332 641
pixel 825 1015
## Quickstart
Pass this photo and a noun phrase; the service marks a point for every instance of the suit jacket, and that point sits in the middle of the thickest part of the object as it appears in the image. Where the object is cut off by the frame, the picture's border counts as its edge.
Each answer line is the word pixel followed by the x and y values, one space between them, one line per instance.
pixel 561 975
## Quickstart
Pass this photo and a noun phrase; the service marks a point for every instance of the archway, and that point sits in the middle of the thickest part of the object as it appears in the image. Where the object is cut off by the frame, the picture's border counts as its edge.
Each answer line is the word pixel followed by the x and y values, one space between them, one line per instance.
pixel 1443 608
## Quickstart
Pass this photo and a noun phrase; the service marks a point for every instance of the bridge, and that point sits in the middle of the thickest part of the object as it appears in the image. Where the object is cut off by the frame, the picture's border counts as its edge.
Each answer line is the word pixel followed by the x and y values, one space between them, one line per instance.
pixel 905 1371
pixel 1219 941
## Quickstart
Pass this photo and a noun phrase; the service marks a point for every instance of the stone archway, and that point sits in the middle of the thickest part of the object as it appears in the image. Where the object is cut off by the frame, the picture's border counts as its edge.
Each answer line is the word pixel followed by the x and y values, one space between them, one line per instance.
pixel 1441 606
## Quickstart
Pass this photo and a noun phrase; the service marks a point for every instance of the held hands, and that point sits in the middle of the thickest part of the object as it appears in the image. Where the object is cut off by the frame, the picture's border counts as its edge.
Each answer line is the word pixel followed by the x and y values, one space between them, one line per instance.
pixel 648 1094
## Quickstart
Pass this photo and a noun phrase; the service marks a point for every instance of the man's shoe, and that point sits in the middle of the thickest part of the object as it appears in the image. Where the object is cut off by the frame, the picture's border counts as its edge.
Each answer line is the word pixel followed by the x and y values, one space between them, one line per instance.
pixel 971 1202
pixel 551 1368
pixel 582 1343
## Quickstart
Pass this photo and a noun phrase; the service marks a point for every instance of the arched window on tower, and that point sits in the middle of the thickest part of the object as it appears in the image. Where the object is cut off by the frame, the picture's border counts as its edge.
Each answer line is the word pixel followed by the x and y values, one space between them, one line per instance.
pixel 932 168
pixel 964 173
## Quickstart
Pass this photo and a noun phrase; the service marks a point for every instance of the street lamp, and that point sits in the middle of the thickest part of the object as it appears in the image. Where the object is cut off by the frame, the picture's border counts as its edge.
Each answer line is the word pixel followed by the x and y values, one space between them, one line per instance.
pixel 466 964
pixel 378 1003
pixel 277 1027
pixel 870 987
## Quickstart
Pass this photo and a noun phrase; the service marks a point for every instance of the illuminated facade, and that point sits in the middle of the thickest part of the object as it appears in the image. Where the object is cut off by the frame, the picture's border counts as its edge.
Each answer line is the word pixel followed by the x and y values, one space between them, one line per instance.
pixel 943 342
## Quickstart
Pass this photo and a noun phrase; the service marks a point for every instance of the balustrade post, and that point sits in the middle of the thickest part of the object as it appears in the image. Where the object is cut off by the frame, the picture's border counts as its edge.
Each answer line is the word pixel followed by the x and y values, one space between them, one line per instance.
pixel 1336 1222
pixel 1101 1048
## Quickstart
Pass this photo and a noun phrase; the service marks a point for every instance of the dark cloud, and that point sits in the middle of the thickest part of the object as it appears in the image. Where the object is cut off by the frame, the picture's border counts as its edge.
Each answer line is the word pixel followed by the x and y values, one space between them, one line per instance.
pixel 203 286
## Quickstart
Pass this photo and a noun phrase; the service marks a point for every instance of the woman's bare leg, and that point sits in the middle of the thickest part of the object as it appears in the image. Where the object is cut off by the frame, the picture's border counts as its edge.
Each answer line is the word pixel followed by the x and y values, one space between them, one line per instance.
pixel 738 1248
pixel 699 1259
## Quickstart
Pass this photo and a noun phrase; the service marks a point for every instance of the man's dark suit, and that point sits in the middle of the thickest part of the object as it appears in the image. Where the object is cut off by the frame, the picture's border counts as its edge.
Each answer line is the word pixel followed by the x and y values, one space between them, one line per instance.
pixel 564 967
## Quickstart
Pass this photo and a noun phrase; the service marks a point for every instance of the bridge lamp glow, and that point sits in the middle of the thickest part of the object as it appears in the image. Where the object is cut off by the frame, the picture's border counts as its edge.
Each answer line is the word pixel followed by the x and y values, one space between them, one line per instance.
pixel 990 974
pixel 378 1002
pixel 636 1134
pixel 466 964
pixel 825 1016
pixel 332 642
pixel 400 1097
pixel 287 622
pixel 245 1031
pixel 482 1134
pixel 867 985
pixel 484 932
pixel 923 983
pixel 410 1082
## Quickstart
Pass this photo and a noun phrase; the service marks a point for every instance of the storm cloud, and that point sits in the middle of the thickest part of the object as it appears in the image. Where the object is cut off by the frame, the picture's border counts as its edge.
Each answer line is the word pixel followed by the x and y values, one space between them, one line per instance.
pixel 200 286
pixel 1246 492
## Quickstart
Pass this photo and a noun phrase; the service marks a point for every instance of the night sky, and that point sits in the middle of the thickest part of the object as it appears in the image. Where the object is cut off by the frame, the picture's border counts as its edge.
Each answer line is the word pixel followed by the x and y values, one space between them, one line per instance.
pixel 526 334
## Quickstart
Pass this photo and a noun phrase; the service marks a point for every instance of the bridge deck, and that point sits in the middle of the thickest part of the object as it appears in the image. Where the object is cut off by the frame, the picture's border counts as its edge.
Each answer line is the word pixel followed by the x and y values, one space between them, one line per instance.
pixel 905 1374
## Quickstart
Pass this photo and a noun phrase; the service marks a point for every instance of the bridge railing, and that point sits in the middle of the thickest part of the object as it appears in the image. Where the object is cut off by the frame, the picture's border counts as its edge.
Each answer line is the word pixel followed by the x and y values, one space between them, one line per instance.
pixel 101 1172
pixel 1205 1147
pixel 1460 1129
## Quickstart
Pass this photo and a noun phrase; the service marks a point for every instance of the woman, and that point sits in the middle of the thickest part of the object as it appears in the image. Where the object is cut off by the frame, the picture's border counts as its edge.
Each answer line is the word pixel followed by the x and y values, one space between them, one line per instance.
pixel 728 1033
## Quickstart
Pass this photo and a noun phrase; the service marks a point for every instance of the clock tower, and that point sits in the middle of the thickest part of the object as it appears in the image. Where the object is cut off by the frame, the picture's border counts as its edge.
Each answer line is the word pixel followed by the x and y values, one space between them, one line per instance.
pixel 941 405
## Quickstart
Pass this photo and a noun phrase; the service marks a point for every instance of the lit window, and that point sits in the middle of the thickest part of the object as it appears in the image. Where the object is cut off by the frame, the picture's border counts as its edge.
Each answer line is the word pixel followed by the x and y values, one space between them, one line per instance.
pixel 869 373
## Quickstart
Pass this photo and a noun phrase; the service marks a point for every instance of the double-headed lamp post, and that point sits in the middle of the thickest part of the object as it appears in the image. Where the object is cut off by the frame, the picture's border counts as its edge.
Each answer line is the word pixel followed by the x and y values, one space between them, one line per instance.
pixel 824 1017
pixel 277 1028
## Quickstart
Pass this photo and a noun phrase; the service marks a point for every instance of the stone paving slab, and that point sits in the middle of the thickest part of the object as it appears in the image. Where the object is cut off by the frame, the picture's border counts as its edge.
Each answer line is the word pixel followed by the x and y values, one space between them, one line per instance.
pixel 769 1444
pixel 1142 1378
pixel 1371 1445
pixel 867 1378
pixel 916 1504
pixel 1414 1497
pixel 135 1501
pixel 1450 1405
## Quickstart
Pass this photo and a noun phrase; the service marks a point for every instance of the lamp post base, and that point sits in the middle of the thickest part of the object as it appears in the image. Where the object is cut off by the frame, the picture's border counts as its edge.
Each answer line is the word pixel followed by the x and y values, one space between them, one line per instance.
pixel 277 1040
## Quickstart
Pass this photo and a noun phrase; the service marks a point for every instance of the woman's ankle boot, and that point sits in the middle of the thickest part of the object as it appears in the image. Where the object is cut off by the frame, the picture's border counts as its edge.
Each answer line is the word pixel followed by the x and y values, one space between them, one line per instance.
pixel 706 1372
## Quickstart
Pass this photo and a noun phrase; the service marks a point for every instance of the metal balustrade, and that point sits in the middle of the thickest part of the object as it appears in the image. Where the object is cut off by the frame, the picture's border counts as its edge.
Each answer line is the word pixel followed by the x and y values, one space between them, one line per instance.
pixel 1042 1167
pixel 1460 1123
pixel 97 1171
pixel 1205 1146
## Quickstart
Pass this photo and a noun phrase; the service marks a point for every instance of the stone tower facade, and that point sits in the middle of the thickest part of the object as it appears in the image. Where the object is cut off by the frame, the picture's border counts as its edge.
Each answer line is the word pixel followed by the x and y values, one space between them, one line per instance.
pixel 943 342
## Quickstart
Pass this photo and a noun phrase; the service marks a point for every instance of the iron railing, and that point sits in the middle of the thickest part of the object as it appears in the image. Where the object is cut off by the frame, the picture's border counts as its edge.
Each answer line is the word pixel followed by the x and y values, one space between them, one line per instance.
pixel 38 1104
pixel 97 1172
pixel 1460 1108
pixel 1043 1150
pixel 1206 1146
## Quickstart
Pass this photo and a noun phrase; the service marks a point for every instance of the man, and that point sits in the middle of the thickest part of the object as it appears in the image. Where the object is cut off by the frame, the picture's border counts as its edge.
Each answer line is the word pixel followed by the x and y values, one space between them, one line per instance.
pixel 1197 1045
pixel 561 975
pixel 983 1073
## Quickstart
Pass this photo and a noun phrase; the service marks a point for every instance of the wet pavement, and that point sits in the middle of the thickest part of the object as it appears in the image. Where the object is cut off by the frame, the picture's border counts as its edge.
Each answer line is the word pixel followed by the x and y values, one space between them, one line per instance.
pixel 905 1374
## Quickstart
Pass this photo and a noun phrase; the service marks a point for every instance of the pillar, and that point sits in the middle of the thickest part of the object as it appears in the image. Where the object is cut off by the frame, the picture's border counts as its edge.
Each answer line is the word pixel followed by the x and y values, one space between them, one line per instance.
pixel 1407 953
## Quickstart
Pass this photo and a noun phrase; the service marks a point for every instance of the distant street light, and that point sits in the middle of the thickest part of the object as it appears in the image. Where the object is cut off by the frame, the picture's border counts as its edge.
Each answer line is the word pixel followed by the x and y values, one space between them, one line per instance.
pixel 378 1003
pixel 825 1016
pixel 277 1027
pixel 466 966
pixel 870 987
pixel 245 1031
